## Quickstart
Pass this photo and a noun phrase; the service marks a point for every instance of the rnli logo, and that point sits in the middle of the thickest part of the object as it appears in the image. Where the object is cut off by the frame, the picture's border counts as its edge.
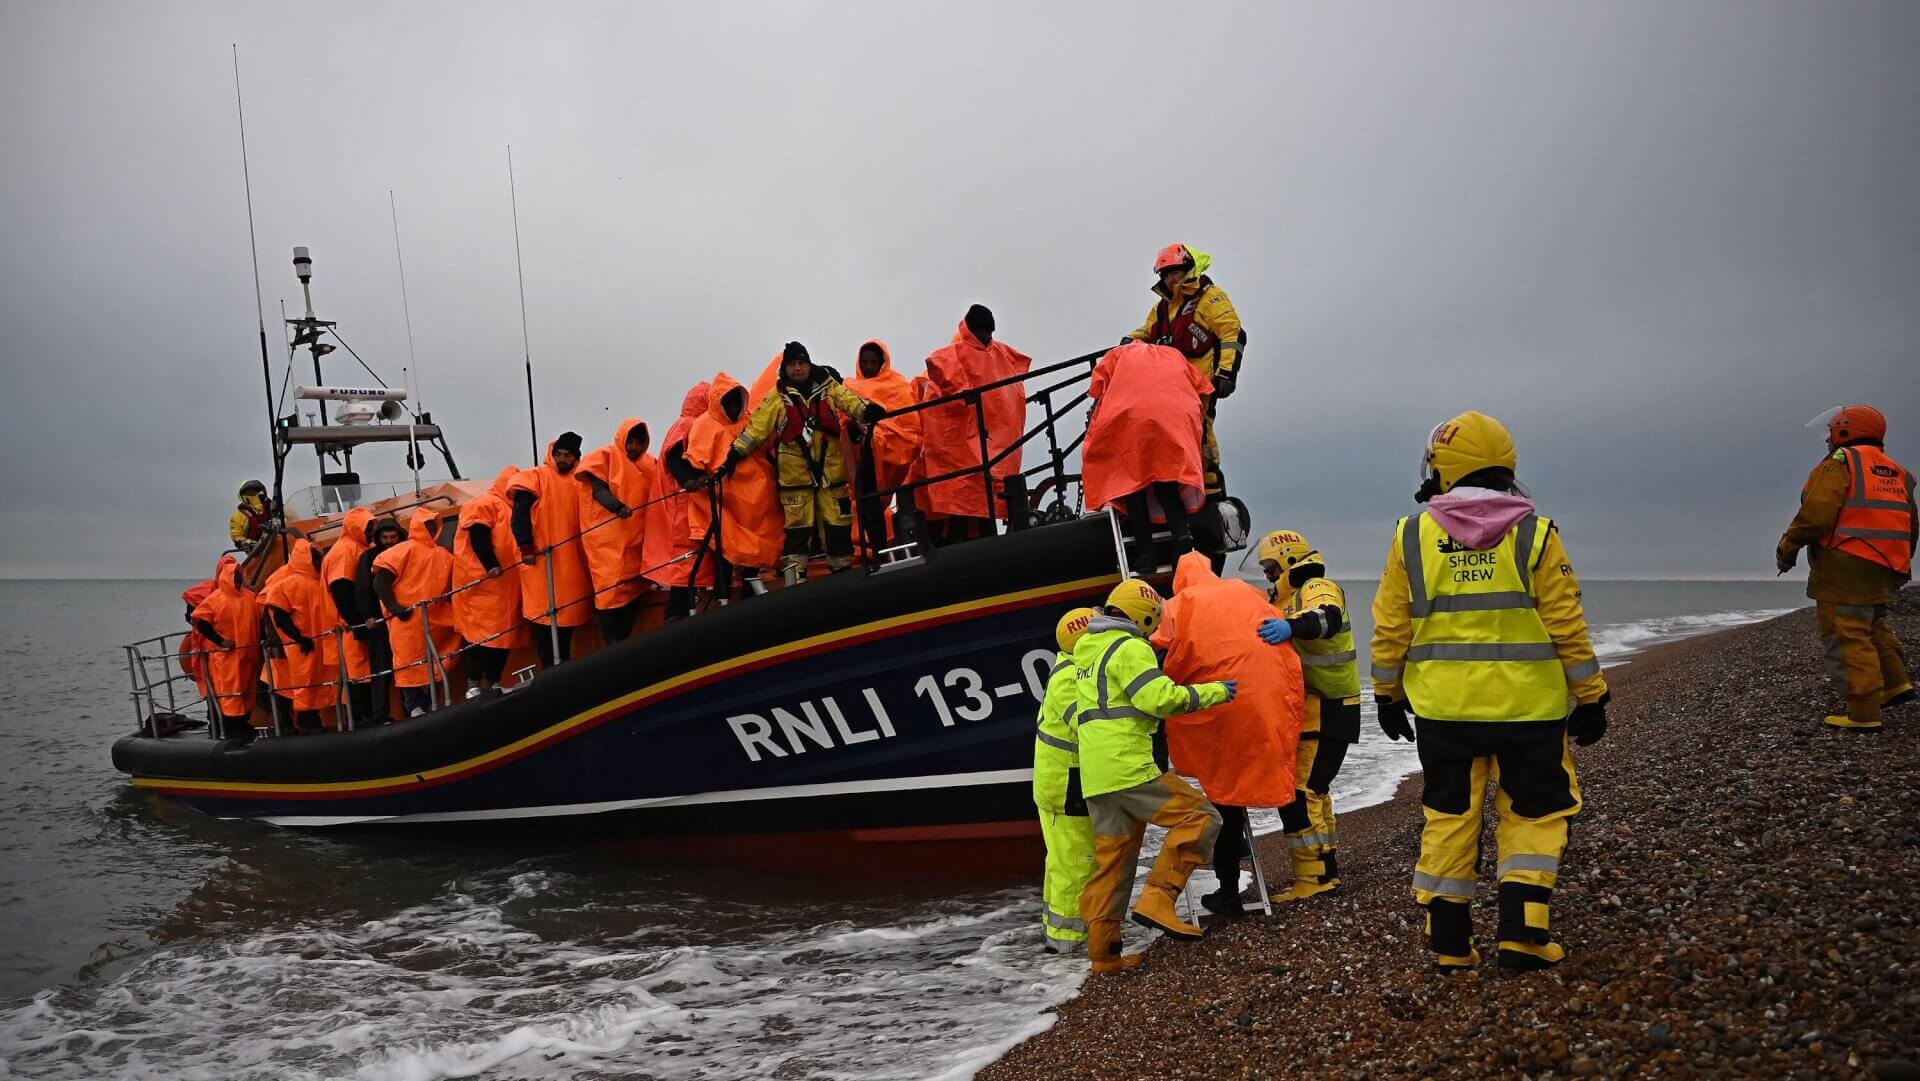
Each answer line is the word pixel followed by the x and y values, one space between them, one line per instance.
pixel 1886 471
pixel 1448 546
pixel 1078 624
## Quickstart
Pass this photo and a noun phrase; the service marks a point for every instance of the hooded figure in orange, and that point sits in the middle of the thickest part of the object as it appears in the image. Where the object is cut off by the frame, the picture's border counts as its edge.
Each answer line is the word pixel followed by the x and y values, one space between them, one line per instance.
pixel 413 577
pixel 619 480
pixel 1242 752
pixel 1143 444
pixel 229 620
pixel 893 444
pixel 487 614
pixel 668 545
pixel 337 572
pixel 752 528
pixel 546 518
pixel 296 601
pixel 193 644
pixel 949 437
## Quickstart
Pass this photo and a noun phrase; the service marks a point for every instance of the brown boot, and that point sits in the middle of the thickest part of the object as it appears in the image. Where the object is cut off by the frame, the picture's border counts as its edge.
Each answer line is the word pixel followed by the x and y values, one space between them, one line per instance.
pixel 1156 910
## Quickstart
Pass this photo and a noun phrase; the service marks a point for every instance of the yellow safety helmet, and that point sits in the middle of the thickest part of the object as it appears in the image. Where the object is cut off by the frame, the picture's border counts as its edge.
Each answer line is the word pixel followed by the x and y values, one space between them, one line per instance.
pixel 1456 448
pixel 1287 549
pixel 1071 626
pixel 1138 601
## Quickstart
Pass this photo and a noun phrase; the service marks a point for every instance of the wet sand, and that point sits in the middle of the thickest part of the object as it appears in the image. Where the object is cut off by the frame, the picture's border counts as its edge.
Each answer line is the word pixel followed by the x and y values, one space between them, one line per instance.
pixel 1739 901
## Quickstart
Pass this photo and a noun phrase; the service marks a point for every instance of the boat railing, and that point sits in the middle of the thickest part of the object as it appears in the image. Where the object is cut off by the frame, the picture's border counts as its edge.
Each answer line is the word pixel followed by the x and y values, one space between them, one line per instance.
pixel 157 666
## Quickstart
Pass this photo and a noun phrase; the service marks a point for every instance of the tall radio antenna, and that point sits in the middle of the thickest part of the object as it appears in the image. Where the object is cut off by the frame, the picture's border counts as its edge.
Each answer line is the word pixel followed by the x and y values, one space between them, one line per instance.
pixel 406 311
pixel 526 350
pixel 259 304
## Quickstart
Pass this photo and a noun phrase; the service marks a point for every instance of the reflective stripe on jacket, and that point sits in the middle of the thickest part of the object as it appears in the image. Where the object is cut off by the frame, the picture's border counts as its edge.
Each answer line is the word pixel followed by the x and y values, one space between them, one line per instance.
pixel 1056 743
pixel 1463 631
pixel 1876 519
pixel 1330 665
pixel 1122 695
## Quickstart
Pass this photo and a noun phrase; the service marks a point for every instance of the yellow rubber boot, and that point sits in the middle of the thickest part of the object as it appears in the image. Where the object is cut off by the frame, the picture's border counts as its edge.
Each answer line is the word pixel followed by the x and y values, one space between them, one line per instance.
pixel 1450 935
pixel 1848 724
pixel 1312 875
pixel 1525 942
pixel 1156 909
pixel 1103 948
pixel 1899 696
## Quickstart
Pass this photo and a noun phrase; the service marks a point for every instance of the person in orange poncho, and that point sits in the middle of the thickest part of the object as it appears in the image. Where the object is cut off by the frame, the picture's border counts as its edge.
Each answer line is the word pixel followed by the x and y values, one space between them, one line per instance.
pixel 295 601
pixel 193 644
pixel 619 480
pixel 1143 444
pixel 229 620
pixel 412 579
pixel 949 435
pixel 668 547
pixel 887 456
pixel 751 529
pixel 338 572
pixel 546 517
pixel 1242 752
pixel 487 614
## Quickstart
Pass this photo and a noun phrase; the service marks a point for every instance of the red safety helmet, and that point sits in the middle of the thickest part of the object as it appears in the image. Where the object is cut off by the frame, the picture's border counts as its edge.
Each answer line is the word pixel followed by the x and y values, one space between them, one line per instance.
pixel 1171 256
pixel 1847 423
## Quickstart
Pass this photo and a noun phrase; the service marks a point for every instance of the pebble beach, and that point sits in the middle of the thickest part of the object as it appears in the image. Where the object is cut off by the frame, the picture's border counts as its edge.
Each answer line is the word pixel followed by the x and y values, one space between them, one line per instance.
pixel 1739 902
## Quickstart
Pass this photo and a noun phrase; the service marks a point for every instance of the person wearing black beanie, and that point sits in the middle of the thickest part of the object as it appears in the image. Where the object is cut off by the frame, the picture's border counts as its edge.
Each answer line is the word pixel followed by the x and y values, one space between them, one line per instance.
pixel 980 321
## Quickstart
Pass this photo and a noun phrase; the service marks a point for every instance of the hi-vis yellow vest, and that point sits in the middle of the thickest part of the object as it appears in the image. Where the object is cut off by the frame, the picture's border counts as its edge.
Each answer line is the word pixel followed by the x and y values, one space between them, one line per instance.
pixel 1479 651
pixel 1329 665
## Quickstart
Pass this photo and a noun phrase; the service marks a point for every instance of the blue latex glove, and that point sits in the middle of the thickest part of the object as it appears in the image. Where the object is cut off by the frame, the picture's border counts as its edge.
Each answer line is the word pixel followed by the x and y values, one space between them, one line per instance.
pixel 1233 688
pixel 1275 631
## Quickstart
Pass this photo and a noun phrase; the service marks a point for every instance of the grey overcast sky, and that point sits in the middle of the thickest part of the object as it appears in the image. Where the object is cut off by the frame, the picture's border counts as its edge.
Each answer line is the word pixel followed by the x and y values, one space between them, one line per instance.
pixel 1653 238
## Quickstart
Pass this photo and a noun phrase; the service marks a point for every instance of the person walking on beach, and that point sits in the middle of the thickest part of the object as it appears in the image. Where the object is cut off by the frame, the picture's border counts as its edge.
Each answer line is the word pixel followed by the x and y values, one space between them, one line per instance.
pixel 1858 524
pixel 1064 824
pixel 1123 696
pixel 1479 631
pixel 1313 616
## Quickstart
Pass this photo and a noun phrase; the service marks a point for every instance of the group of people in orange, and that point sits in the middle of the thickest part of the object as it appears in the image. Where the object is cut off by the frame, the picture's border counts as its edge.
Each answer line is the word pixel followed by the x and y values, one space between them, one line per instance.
pixel 802 463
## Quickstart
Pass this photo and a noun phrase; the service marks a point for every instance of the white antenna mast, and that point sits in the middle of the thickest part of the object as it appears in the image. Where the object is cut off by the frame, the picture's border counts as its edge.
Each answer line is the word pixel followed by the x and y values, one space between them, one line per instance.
pixel 405 309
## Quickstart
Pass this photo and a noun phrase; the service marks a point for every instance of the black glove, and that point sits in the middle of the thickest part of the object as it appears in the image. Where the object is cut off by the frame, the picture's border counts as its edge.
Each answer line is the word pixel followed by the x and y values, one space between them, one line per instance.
pixel 727 467
pixel 305 644
pixel 874 413
pixel 402 615
pixel 1394 721
pixel 1588 723
pixel 359 632
pixel 1223 384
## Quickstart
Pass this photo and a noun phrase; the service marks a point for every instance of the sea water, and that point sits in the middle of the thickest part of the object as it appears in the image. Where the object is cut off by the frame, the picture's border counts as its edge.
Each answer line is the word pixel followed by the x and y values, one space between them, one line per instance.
pixel 141 940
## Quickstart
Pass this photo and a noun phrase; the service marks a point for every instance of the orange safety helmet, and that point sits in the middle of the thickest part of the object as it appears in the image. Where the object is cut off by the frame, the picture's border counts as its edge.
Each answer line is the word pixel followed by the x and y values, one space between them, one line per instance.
pixel 1851 422
pixel 1171 256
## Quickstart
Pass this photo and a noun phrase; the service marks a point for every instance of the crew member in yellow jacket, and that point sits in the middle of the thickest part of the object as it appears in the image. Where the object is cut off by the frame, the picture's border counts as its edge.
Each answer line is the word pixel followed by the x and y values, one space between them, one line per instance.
pixel 1196 317
pixel 1123 695
pixel 1478 630
pixel 1057 794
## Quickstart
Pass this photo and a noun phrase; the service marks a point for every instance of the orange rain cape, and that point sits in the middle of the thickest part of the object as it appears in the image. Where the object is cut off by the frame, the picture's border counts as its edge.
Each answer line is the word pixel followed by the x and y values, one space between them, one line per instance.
pixel 752 527
pixel 667 534
pixel 556 518
pixel 296 590
pixel 894 442
pixel 233 611
pixel 949 436
pixel 1243 751
pixel 488 614
pixel 1146 425
pixel 193 644
pixel 342 564
pixel 422 570
pixel 615 556
pixel 764 382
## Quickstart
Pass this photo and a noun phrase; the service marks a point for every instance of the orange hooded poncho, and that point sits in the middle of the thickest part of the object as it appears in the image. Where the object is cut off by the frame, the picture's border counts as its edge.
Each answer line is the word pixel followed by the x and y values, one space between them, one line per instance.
pixel 752 527
pixel 232 610
pixel 193 644
pixel 894 442
pixel 667 534
pixel 488 614
pixel 341 564
pixel 422 570
pixel 1243 751
pixel 949 436
pixel 1145 427
pixel 615 556
pixel 296 590
pixel 556 518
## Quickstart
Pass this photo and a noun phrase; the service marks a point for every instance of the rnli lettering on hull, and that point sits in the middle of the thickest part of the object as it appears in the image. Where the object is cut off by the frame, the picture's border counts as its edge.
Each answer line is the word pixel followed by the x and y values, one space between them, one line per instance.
pixel 960 695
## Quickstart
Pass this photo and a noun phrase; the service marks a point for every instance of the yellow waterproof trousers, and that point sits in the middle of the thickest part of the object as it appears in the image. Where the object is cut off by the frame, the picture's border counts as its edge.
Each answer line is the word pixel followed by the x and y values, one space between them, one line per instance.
pixel 1070 864
pixel 1864 659
pixel 1538 793
pixel 1119 823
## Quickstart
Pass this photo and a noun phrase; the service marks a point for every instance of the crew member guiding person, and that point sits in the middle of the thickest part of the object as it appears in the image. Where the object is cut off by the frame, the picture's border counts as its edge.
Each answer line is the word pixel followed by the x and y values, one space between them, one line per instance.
pixel 1196 317
pixel 1479 632
pixel 1858 524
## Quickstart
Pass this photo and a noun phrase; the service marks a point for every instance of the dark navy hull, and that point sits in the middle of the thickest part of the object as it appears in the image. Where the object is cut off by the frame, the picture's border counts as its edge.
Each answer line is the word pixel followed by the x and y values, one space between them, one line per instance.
pixel 892 706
